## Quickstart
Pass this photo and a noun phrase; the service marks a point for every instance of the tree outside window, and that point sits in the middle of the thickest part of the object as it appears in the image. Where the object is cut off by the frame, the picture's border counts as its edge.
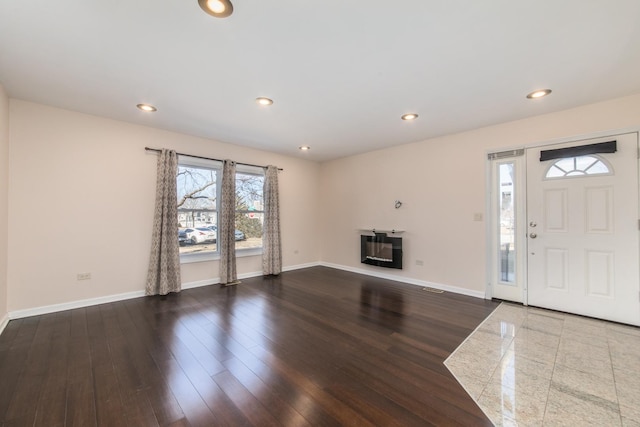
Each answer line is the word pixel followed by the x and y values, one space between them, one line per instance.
pixel 198 193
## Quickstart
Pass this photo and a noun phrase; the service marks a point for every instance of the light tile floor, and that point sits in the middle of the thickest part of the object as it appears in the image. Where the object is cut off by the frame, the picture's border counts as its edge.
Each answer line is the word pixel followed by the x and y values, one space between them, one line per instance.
pixel 531 367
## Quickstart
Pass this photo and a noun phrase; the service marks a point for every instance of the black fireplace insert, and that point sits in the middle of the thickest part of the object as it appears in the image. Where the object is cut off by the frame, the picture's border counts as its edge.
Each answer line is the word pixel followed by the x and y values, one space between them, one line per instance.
pixel 381 250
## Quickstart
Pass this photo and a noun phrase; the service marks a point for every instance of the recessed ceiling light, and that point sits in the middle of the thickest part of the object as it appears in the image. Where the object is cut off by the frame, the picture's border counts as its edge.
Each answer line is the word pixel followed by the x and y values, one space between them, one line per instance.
pixel 217 8
pixel 264 101
pixel 147 108
pixel 539 93
pixel 410 116
pixel 304 148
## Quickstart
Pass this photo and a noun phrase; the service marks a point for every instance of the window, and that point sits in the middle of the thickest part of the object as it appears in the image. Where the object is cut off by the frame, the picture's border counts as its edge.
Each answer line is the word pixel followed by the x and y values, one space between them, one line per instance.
pixel 249 208
pixel 578 166
pixel 507 227
pixel 507 218
pixel 198 183
pixel 197 206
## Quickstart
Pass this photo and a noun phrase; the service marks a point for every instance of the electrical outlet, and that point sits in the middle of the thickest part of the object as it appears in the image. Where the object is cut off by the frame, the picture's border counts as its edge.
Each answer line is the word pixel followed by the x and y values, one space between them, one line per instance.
pixel 477 216
pixel 84 276
pixel 419 262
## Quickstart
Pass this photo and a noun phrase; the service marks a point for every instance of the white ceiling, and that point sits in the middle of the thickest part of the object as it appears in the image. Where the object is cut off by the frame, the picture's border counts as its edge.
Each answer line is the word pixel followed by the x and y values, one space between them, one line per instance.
pixel 341 73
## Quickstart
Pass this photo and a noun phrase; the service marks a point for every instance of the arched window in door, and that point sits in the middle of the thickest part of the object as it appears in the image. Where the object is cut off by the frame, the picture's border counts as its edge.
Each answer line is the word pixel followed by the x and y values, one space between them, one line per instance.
pixel 578 166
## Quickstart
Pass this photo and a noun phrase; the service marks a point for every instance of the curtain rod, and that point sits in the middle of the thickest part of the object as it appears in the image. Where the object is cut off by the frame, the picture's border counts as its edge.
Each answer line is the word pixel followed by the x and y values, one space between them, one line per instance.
pixel 157 150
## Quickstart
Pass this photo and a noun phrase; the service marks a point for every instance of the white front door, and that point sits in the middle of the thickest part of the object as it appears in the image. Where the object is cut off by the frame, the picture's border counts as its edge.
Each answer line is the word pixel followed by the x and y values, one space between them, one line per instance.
pixel 582 228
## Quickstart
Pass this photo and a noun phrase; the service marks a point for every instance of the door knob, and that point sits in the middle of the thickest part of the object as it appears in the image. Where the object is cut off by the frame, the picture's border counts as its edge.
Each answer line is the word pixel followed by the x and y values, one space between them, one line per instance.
pixel 533 235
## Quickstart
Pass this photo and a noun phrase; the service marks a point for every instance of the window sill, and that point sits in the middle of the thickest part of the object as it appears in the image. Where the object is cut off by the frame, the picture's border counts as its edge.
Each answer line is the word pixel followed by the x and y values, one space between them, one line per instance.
pixel 215 256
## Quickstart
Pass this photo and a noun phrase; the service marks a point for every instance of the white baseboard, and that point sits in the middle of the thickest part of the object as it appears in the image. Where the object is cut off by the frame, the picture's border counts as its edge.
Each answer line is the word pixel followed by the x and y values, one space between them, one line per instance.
pixel 216 280
pixel 411 281
pixel 19 314
pixel 4 322
pixel 248 275
pixel 200 283
pixel 301 266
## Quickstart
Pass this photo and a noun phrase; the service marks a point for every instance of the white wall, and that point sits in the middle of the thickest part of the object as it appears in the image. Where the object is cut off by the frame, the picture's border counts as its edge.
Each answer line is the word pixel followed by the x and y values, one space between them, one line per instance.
pixel 81 194
pixel 81 199
pixel 4 201
pixel 441 183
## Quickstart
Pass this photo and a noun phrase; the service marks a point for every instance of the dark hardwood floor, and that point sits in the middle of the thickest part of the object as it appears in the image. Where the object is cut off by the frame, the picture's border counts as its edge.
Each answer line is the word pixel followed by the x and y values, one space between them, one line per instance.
pixel 312 347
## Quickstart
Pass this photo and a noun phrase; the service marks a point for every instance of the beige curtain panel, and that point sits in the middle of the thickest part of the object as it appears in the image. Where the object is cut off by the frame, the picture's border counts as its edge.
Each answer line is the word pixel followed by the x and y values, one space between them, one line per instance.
pixel 164 266
pixel 227 225
pixel 271 249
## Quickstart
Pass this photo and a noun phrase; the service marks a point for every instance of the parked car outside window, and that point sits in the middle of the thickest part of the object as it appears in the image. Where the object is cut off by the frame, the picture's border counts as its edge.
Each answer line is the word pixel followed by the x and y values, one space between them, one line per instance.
pixel 199 235
pixel 239 235
pixel 182 237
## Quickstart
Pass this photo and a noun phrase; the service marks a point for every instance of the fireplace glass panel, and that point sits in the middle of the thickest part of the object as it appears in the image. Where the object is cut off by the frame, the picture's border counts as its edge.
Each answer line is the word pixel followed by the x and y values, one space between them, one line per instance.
pixel 381 250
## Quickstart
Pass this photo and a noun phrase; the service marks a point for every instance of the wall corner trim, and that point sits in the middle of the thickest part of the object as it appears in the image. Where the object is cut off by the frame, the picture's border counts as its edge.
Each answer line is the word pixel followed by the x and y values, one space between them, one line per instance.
pixel 4 322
